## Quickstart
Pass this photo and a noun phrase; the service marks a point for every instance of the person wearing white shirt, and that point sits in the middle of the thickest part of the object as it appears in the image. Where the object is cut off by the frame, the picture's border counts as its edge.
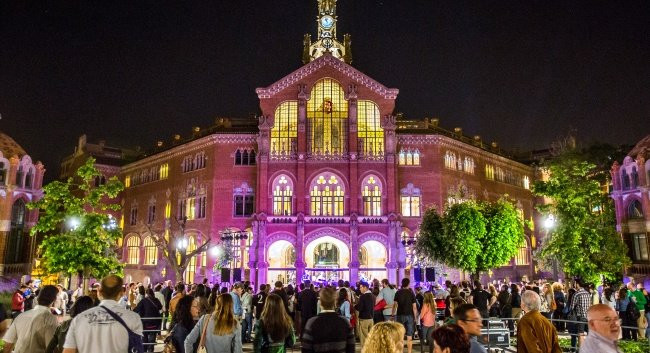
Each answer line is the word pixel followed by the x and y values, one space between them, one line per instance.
pixel 95 330
pixel 33 330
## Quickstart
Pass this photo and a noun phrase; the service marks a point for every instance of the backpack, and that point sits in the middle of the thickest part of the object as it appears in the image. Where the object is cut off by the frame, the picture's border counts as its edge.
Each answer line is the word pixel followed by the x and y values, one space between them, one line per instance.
pixel 135 341
pixel 632 311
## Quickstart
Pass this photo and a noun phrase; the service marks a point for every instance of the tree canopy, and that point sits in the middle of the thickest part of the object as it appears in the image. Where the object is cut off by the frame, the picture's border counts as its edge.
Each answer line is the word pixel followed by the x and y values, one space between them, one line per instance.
pixel 80 235
pixel 471 236
pixel 584 239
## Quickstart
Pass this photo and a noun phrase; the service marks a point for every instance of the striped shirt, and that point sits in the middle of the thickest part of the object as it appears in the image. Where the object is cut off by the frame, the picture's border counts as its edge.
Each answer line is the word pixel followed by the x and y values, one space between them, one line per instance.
pixel 327 333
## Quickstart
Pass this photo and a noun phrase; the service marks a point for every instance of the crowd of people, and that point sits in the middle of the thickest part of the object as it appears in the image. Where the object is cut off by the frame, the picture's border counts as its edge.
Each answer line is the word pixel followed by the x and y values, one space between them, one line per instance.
pixel 116 316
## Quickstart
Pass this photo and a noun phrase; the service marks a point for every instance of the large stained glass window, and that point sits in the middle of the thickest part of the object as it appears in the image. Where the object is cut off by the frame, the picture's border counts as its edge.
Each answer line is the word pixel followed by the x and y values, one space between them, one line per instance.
pixel 410 201
pixel 326 196
pixel 371 192
pixel 285 129
pixel 282 196
pixel 133 250
pixel 150 251
pixel 371 135
pixel 327 114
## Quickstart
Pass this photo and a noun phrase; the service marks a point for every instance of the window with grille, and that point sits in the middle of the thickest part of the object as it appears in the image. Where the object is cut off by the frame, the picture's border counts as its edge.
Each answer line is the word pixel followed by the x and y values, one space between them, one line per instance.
pixel 284 133
pixel 327 115
pixel 326 196
pixel 150 251
pixel 282 196
pixel 133 250
pixel 370 133
pixel 371 194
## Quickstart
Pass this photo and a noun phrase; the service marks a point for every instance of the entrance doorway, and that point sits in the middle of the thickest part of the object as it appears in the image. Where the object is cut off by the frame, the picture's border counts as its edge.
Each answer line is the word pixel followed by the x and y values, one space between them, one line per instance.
pixel 282 259
pixel 327 260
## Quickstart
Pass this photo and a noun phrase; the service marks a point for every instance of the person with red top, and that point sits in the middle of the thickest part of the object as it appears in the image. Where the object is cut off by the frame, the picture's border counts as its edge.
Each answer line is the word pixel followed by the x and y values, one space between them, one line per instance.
pixel 18 302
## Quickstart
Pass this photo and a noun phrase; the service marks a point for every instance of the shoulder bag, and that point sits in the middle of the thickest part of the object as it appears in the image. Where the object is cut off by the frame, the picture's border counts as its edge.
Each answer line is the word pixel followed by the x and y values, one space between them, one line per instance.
pixel 201 348
pixel 135 341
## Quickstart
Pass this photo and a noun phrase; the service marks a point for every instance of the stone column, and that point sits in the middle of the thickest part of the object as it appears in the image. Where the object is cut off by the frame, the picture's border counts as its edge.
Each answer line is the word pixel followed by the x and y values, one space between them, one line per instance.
pixel 643 185
pixel 263 146
pixel 354 249
pixel 393 251
pixel 300 253
pixel 353 150
pixel 262 264
pixel 390 139
pixel 301 153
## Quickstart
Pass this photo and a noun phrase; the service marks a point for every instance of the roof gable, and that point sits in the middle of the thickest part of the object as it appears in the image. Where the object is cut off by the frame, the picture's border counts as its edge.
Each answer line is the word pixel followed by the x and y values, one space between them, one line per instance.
pixel 330 61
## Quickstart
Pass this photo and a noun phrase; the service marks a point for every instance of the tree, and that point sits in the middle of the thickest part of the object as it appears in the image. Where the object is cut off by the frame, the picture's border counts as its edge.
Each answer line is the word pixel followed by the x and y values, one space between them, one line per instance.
pixel 80 235
pixel 584 239
pixel 471 236
pixel 174 247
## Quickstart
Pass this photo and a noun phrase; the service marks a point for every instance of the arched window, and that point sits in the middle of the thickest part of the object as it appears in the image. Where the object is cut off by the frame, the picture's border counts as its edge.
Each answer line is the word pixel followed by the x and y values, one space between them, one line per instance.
pixel 625 179
pixel 450 160
pixel 191 266
pixel 282 196
pixel 402 157
pixel 371 135
pixel 244 201
pixel 522 257
pixel 371 193
pixel 20 177
pixel 133 250
pixel 29 179
pixel 489 172
pixel 327 115
pixel 14 252
pixel 468 166
pixel 284 133
pixel 238 157
pixel 635 178
pixel 150 251
pixel 526 182
pixel 326 195
pixel 409 157
pixel 635 210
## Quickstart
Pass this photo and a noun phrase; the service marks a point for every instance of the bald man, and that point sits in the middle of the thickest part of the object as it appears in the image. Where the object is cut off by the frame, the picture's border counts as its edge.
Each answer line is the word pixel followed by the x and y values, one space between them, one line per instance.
pixel 604 329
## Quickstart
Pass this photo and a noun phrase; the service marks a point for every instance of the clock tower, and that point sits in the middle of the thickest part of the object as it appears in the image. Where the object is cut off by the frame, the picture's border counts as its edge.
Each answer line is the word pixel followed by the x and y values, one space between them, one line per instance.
pixel 327 41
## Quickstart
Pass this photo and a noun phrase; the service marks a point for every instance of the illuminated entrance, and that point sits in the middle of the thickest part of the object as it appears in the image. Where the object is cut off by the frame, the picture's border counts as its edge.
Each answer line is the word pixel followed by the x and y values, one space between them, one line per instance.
pixel 327 260
pixel 372 261
pixel 282 260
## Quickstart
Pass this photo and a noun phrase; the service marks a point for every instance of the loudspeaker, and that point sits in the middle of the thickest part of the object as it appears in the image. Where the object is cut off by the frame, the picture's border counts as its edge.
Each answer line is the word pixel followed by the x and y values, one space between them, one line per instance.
pixel 430 274
pixel 417 274
pixel 236 275
pixel 225 275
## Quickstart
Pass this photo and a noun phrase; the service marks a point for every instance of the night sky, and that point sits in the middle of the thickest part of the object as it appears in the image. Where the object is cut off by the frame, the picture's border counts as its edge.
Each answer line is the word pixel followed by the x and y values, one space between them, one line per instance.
pixel 519 72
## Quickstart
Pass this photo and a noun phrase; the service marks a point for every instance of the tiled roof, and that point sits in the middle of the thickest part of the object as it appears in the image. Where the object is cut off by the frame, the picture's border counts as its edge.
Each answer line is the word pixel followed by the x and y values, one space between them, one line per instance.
pixel 9 147
pixel 642 147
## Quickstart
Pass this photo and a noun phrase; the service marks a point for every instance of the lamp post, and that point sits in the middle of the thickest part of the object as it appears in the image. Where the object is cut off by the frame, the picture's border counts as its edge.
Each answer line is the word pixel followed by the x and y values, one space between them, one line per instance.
pixel 549 224
pixel 408 240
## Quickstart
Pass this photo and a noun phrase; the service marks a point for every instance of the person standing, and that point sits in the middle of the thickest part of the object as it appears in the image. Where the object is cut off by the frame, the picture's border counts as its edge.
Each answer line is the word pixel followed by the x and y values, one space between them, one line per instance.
pixel 621 307
pixel 307 304
pixel 560 303
pixel 548 301
pixel 180 293
pixel 274 330
pixel 33 330
pixel 469 319
pixel 481 299
pixel 149 310
pixel 387 293
pixel 327 331
pixel 259 300
pixel 428 317
pixel 636 294
pixel 405 311
pixel 99 327
pixel 80 305
pixel 167 294
pixel 279 290
pixel 247 308
pixel 365 307
pixel 604 329
pixel 18 301
pixel 535 333
pixel 236 293
pixel 580 304
pixel 219 332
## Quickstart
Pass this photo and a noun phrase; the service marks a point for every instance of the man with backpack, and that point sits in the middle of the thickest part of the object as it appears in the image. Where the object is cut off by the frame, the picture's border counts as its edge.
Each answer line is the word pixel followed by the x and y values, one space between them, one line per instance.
pixel 107 328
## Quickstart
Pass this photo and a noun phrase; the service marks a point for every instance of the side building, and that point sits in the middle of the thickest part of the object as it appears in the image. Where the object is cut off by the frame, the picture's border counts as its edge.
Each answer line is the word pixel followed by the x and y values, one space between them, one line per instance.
pixel 631 194
pixel 20 183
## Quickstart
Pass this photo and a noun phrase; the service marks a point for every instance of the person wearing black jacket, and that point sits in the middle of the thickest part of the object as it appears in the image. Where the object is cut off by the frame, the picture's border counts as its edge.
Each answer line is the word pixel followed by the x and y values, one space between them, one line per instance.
pixel 279 290
pixel 307 302
pixel 167 293
pixel 365 307
pixel 149 309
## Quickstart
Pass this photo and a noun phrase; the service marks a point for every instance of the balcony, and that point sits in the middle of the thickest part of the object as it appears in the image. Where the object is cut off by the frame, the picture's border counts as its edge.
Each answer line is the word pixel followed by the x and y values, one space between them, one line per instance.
pixel 281 219
pixel 327 219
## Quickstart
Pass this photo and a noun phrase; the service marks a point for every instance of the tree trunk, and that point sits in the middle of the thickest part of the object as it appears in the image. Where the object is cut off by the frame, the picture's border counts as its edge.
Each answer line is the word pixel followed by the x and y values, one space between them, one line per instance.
pixel 86 280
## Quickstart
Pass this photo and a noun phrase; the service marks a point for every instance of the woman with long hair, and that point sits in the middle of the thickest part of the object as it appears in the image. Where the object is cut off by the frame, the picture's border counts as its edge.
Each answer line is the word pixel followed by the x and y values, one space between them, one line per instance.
pixel 560 303
pixel 621 307
pixel 187 314
pixel 274 330
pixel 493 306
pixel 343 304
pixel 385 337
pixel 218 332
pixel 503 302
pixel 82 304
pixel 450 339
pixel 428 316
pixel 454 292
pixel 148 308
pixel 548 301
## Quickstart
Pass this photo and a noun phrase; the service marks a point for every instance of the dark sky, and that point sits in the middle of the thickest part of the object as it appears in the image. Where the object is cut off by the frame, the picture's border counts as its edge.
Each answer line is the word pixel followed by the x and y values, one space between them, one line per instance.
pixel 518 72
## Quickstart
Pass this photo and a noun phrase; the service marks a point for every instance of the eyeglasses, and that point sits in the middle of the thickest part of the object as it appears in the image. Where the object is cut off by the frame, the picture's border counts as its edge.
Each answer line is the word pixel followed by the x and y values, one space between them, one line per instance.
pixel 610 320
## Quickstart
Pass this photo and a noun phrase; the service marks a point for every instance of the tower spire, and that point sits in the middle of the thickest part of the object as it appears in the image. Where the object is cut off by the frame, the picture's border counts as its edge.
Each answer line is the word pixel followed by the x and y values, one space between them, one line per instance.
pixel 326 41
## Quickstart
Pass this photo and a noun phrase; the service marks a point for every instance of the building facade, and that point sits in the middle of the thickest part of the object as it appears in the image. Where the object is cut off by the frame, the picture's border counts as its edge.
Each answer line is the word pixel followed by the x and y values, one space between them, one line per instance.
pixel 20 183
pixel 328 184
pixel 631 194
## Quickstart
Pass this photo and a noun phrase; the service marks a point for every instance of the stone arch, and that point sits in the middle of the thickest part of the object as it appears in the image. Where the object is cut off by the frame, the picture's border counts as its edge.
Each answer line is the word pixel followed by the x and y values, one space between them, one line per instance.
pixel 376 236
pixel 276 175
pixel 321 232
pixel 633 201
pixel 314 175
pixel 276 236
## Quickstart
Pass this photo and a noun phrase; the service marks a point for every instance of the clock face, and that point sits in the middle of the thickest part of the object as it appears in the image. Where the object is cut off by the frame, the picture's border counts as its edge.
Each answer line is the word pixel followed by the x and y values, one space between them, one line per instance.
pixel 327 22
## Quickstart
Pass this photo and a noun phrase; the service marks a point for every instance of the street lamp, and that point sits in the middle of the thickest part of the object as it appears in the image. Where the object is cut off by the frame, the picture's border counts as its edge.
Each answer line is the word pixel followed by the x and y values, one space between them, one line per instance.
pixel 549 223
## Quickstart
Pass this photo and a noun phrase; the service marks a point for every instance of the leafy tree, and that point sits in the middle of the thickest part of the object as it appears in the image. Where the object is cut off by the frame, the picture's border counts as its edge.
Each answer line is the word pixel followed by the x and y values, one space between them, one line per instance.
pixel 584 239
pixel 503 237
pixel 471 236
pixel 80 235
